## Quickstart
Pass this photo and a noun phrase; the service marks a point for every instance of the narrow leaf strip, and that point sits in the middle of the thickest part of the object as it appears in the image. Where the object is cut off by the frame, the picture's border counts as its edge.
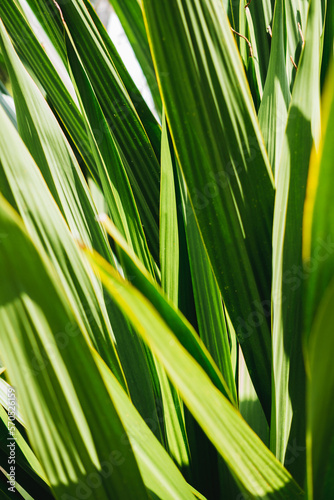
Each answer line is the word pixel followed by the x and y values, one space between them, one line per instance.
pixel 186 334
pixel 114 179
pixel 131 17
pixel 59 95
pixel 318 256
pixel 273 111
pixel 139 156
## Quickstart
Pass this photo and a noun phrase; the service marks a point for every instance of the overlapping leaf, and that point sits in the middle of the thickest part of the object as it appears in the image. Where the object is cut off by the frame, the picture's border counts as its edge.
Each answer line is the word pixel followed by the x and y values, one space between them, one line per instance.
pixel 59 95
pixel 219 145
pixel 134 142
pixel 66 419
pixel 130 15
pixel 28 471
pixel 186 334
pixel 273 111
pixel 288 365
pixel 114 179
pixel 318 252
pixel 257 472
pixel 21 178
pixel 68 187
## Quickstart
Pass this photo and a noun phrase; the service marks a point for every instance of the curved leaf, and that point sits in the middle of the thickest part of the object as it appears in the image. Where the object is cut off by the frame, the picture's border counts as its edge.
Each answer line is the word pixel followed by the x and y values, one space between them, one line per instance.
pixel 257 472
pixel 66 419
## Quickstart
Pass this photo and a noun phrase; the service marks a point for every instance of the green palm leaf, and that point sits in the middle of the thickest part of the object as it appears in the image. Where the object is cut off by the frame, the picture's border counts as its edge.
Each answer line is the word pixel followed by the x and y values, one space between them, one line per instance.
pixel 218 143
pixel 288 364
pixel 45 366
pixel 255 469
pixel 318 264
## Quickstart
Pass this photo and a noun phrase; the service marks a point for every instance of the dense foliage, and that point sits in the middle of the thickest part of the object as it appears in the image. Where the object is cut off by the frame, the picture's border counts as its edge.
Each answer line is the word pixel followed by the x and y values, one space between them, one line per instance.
pixel 167 291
